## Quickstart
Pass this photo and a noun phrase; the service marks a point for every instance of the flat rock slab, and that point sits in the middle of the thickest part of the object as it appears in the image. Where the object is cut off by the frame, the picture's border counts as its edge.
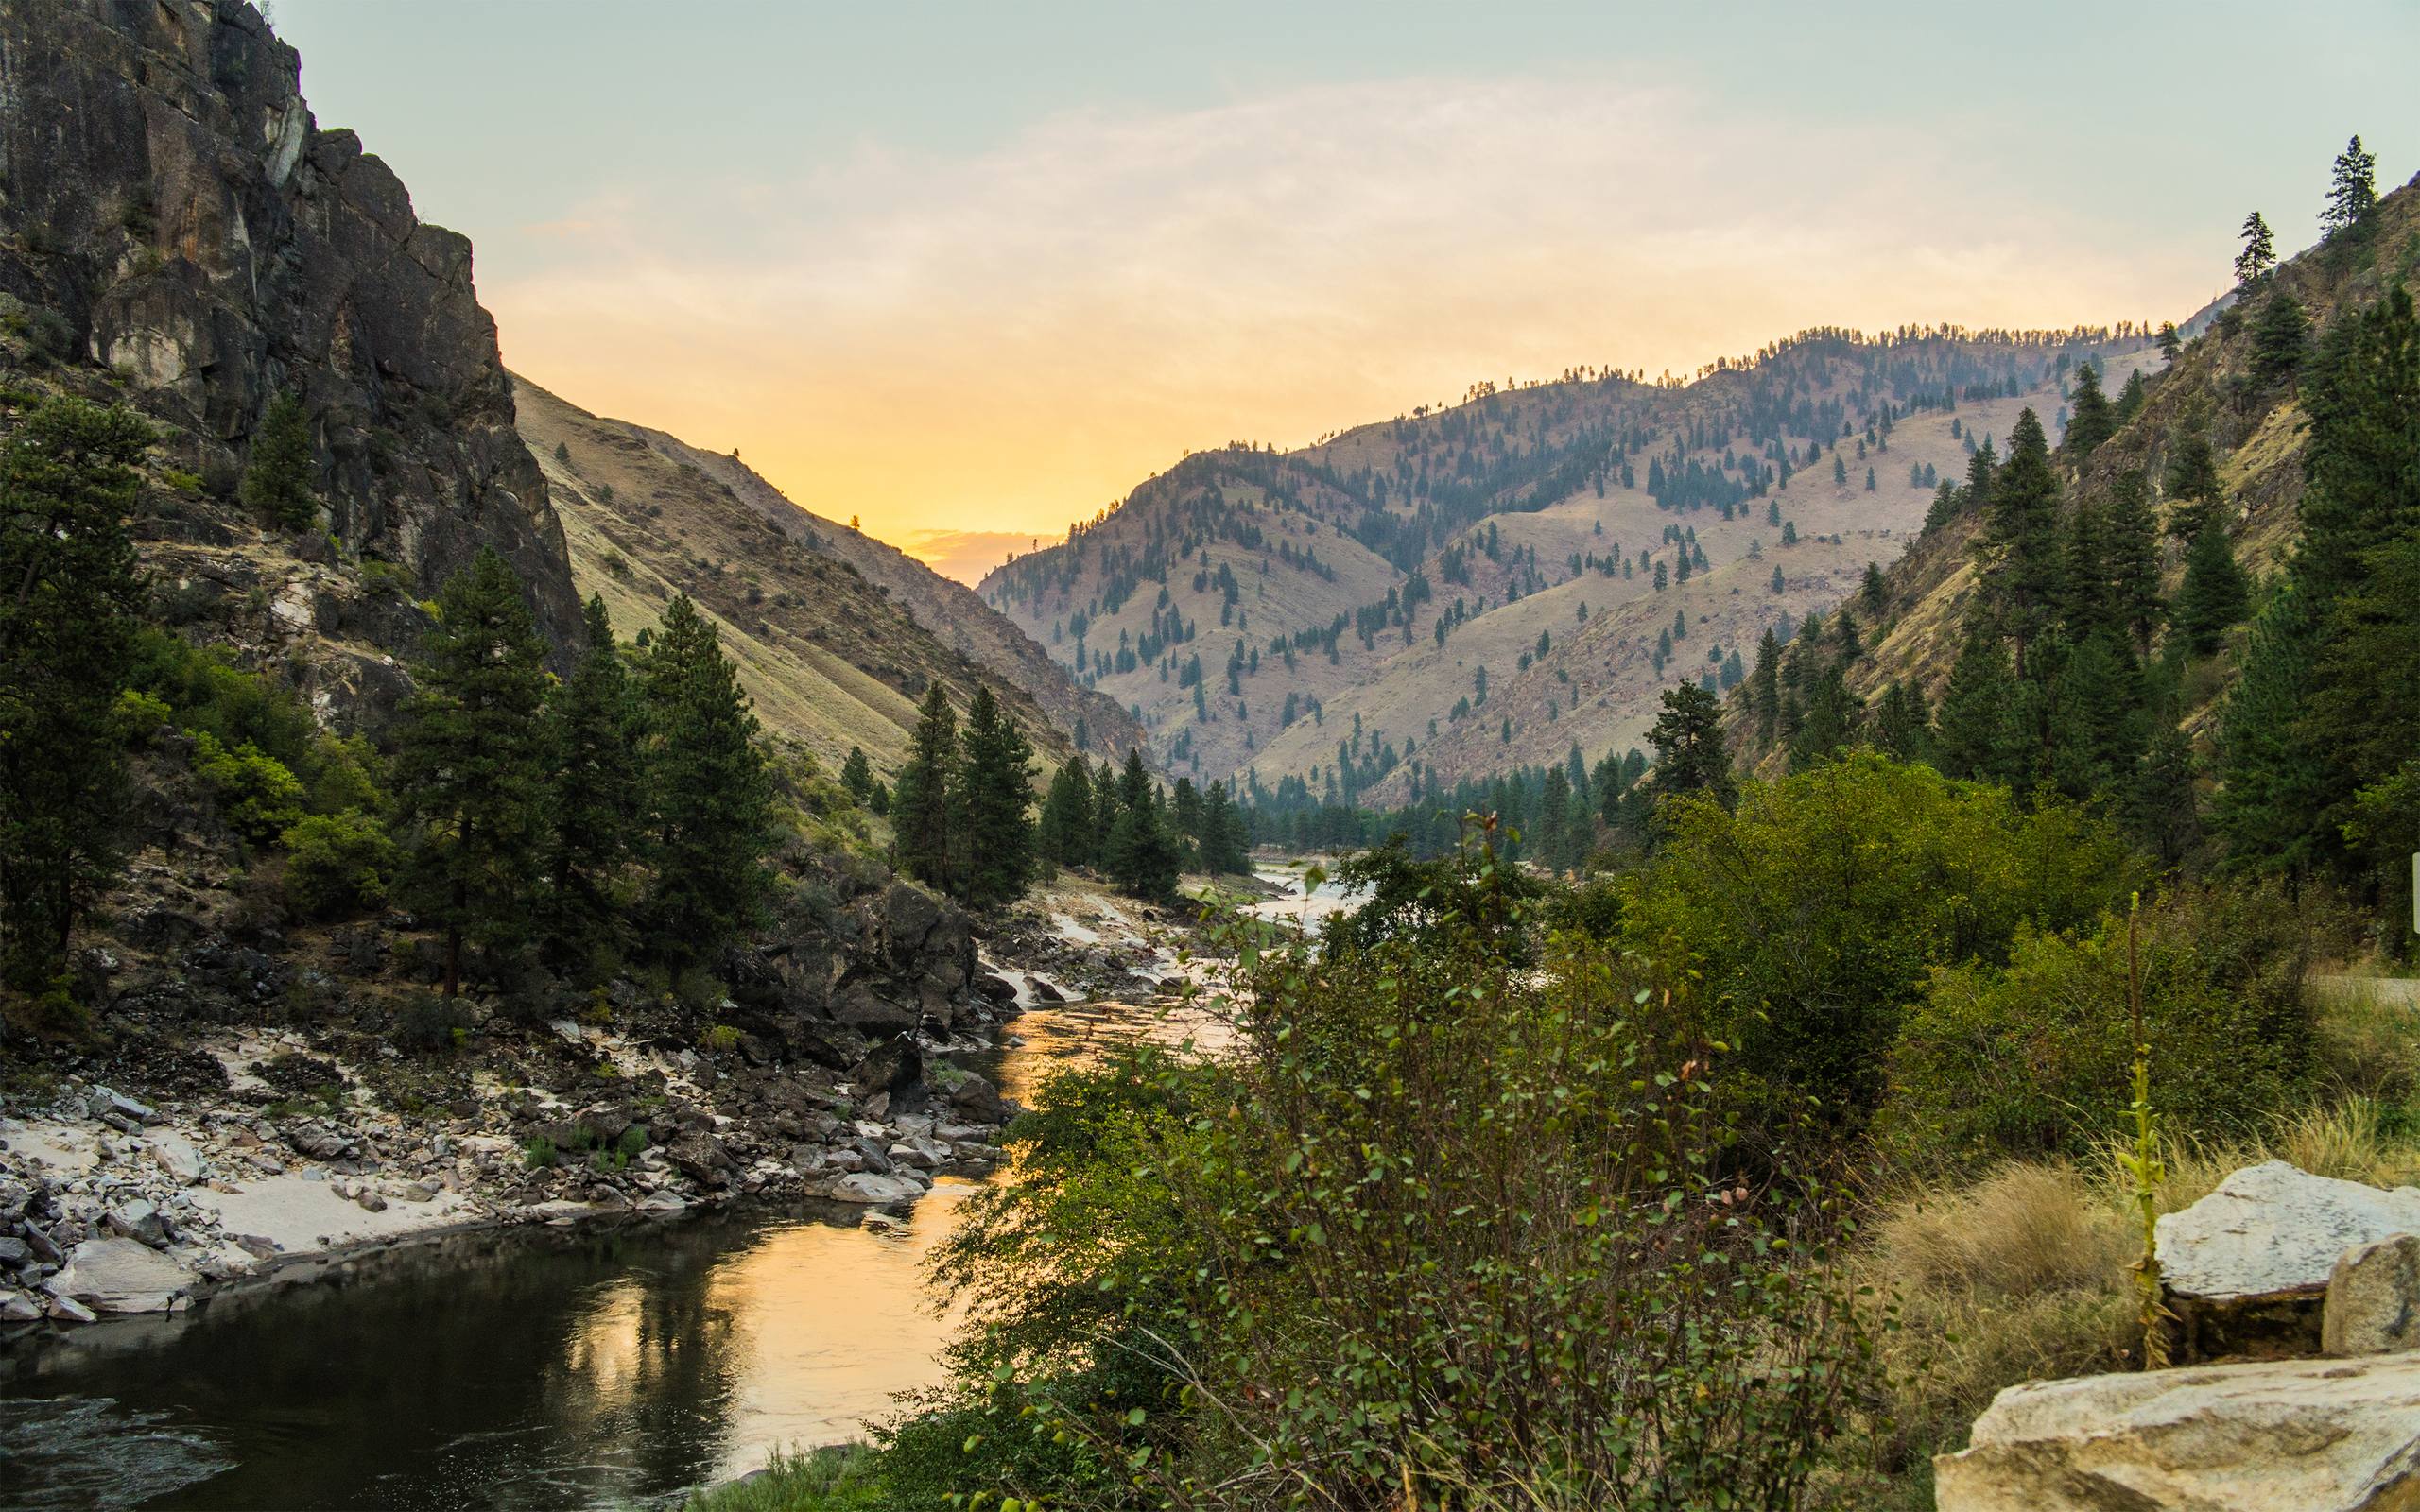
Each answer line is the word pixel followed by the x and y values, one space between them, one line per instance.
pixel 875 1190
pixel 2271 1229
pixel 2294 1435
pixel 119 1275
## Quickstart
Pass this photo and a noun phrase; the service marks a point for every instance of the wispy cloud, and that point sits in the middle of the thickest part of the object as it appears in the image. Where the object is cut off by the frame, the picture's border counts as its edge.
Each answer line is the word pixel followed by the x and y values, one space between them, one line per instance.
pixel 1002 342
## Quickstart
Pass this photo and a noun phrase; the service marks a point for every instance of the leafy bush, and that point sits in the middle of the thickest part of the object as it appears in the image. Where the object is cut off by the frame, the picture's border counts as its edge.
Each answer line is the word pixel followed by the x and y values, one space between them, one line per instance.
pixel 2031 1059
pixel 1818 910
pixel 1443 1227
pixel 342 865
pixel 429 1022
pixel 140 717
pixel 259 797
pixel 212 697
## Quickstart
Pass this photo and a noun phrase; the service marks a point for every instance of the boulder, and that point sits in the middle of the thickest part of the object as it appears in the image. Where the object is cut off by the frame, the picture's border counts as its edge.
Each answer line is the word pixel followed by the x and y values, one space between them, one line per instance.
pixel 2246 1267
pixel 2269 1229
pixel 2299 1436
pixel 175 1155
pixel 702 1158
pixel 2374 1299
pixel 662 1204
pixel 119 1276
pixel 976 1097
pixel 875 1190
pixel 139 1221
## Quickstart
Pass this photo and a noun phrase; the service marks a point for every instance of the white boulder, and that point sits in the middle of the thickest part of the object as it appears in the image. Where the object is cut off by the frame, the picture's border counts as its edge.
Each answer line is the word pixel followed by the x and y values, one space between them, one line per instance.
pixel 2271 1229
pixel 119 1275
pixel 875 1191
pixel 2292 1435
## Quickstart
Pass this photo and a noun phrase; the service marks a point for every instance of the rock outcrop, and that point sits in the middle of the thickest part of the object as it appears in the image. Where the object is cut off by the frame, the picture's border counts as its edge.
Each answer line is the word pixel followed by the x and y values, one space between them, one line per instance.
pixel 2305 1435
pixel 172 211
pixel 2247 1267
pixel 2374 1299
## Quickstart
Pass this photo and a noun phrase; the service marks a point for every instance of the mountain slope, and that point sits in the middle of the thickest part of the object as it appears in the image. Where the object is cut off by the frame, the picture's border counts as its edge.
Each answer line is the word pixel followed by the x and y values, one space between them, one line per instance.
pixel 831 657
pixel 1311 585
pixel 2258 433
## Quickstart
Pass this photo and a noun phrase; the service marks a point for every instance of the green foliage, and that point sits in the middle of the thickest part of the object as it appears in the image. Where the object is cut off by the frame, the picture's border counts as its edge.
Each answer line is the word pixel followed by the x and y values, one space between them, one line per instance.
pixel 2279 336
pixel 920 802
pixel 591 802
pixel 338 865
pixel 281 471
pixel 2026 1059
pixel 2091 419
pixel 856 775
pixel 994 803
pixel 467 765
pixel 1817 911
pixel 708 793
pixel 1141 854
pixel 2215 596
pixel 1066 833
pixel 837 1477
pixel 258 795
pixel 66 622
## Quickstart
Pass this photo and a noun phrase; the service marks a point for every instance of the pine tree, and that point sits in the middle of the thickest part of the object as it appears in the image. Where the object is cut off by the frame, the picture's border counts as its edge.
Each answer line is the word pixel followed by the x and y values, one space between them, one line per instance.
pixel 590 796
pixel 1689 753
pixel 2259 252
pixel 277 477
pixel 1833 714
pixel 2278 338
pixel 1764 689
pixel 2132 398
pixel 2273 782
pixel 1976 734
pixel 919 801
pixel 2213 596
pixel 67 616
pixel 2160 809
pixel 2132 557
pixel 1142 855
pixel 469 763
pixel 1900 724
pixel 996 772
pixel 1225 848
pixel 2191 478
pixel 2172 346
pixel 2352 190
pixel 856 775
pixel 1067 827
pixel 1873 594
pixel 1185 819
pixel 2022 566
pixel 2095 718
pixel 2090 422
pixel 710 796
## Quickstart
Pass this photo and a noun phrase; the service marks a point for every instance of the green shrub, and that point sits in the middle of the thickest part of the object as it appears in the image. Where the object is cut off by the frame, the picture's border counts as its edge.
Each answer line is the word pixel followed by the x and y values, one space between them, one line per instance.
pixel 344 775
pixel 340 864
pixel 140 717
pixel 430 1022
pixel 2033 1059
pixel 539 1153
pixel 258 795
pixel 1817 911
pixel 837 1477
pixel 212 697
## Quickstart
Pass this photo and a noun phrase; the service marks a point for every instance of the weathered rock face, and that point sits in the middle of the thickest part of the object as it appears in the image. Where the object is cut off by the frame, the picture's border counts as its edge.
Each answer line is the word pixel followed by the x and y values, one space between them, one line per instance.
pixel 173 207
pixel 2374 1299
pixel 2305 1436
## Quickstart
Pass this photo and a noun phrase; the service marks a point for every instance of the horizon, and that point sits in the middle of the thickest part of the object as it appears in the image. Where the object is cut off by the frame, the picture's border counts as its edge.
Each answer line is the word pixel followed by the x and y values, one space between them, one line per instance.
pixel 970 303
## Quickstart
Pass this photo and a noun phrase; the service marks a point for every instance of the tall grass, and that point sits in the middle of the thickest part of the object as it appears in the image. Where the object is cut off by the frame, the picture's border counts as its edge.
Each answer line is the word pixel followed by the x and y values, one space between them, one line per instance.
pixel 840 1478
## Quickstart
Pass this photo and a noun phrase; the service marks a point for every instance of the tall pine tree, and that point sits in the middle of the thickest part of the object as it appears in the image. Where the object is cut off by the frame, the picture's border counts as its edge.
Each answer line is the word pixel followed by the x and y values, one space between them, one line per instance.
pixel 710 795
pixel 997 778
pixel 919 801
pixel 591 795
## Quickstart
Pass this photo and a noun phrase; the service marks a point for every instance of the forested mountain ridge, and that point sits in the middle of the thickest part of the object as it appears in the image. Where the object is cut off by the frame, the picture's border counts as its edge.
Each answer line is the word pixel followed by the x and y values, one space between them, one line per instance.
pixel 2230 411
pixel 1385 579
pixel 833 653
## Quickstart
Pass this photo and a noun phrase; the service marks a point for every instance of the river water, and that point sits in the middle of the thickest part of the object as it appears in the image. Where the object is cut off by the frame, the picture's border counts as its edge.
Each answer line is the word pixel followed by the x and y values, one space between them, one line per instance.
pixel 579 1367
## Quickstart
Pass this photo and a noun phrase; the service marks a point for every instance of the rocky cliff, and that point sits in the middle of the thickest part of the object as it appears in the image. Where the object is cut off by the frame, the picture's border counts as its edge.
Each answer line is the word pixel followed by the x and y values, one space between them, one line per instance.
pixel 170 211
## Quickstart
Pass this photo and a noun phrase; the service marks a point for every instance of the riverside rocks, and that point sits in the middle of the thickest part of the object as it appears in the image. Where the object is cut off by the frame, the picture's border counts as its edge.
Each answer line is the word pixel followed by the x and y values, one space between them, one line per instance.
pixel 2303 1436
pixel 2374 1299
pixel 2247 1267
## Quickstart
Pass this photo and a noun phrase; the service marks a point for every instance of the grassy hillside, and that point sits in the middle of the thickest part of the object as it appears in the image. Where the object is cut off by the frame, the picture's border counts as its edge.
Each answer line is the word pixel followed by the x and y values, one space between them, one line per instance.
pixel 830 657
pixel 1326 572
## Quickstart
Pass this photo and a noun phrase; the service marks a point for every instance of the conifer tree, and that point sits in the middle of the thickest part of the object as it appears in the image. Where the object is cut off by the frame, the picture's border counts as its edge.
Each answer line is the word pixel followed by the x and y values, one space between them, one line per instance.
pixel 468 762
pixel 1689 754
pixel 1900 724
pixel 2191 478
pixel 2352 190
pixel 2160 808
pixel 2090 420
pixel 2132 398
pixel 2214 598
pixel 1976 734
pixel 2170 345
pixel 2259 252
pixel 2278 338
pixel 2095 728
pixel 2132 537
pixel 591 793
pixel 1764 689
pixel 1142 855
pixel 919 801
pixel 277 475
pixel 996 772
pixel 67 615
pixel 1225 849
pixel 1066 829
pixel 856 775
pixel 710 796
pixel 1831 721
pixel 2022 566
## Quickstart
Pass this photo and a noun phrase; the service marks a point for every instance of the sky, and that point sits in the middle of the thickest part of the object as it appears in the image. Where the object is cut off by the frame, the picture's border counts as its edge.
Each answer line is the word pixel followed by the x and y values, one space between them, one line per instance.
pixel 970 272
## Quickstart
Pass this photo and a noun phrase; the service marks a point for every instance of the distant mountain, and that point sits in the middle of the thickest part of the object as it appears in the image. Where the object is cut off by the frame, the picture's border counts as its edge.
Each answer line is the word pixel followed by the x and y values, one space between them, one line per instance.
pixel 1276 614
pixel 837 635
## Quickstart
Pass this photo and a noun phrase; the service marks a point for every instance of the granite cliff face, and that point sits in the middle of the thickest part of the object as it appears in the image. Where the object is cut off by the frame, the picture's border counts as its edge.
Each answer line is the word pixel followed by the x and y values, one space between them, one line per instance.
pixel 170 210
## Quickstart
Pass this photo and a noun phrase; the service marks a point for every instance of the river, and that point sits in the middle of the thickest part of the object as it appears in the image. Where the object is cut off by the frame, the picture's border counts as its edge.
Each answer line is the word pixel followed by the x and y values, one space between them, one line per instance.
pixel 587 1366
